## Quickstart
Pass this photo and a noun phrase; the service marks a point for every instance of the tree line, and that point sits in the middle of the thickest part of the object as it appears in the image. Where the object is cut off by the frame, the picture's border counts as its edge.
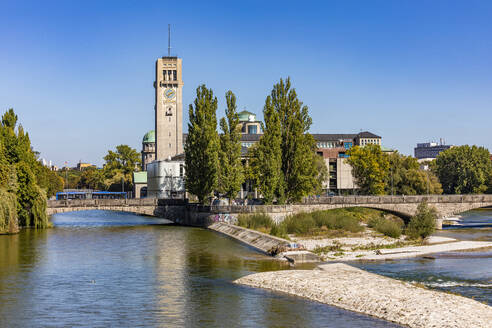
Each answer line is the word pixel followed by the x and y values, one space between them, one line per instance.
pixel 283 165
pixel 457 170
pixel 25 184
pixel 115 175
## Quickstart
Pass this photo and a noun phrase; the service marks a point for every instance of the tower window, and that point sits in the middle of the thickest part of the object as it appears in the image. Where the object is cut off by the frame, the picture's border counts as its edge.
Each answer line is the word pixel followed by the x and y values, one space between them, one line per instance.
pixel 169 145
pixel 169 112
pixel 169 133
pixel 175 75
pixel 252 129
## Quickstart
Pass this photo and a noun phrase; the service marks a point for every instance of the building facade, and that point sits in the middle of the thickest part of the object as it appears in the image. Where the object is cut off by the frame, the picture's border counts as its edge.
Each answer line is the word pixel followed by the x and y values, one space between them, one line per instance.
pixel 165 179
pixel 429 150
pixel 168 107
pixel 148 149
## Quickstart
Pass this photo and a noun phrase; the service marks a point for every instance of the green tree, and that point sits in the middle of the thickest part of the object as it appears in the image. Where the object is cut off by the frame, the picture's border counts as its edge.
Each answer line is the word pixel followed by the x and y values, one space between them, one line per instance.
pixel 31 206
pixel 289 123
pixel 266 155
pixel 22 188
pixel 423 224
pixel 370 168
pixel 464 169
pixel 231 170
pixel 120 164
pixel 48 180
pixel 406 178
pixel 92 178
pixel 202 145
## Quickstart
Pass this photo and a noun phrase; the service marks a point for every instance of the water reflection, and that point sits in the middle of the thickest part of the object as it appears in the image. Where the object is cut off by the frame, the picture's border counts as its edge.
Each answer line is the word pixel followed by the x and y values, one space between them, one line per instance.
pixel 112 269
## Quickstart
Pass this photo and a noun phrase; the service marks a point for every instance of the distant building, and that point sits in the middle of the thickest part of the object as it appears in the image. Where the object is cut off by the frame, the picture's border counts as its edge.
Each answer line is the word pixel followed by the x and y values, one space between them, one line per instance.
pixel 140 184
pixel 81 166
pixel 148 149
pixel 248 123
pixel 429 150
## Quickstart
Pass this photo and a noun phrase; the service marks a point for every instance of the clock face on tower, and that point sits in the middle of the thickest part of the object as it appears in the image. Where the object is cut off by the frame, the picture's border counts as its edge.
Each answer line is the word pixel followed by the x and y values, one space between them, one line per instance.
pixel 169 94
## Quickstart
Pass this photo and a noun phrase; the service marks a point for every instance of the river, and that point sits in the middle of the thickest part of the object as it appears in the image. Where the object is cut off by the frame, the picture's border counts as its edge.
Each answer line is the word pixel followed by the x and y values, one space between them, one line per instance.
pixel 110 269
pixel 466 273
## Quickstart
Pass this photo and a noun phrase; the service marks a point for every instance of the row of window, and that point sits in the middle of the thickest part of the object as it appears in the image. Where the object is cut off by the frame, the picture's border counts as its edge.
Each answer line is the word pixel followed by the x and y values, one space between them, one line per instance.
pixel 364 142
pixel 327 144
pixel 170 75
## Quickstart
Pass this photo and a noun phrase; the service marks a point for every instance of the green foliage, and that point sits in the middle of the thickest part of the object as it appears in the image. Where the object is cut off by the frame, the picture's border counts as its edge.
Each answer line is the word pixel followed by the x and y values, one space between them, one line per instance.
pixel 300 224
pixel 231 170
pixel 266 155
pixel 202 145
pixel 279 230
pixel 423 224
pixel 284 163
pixel 464 169
pixel 338 219
pixel 319 222
pixel 120 165
pixel 48 180
pixel 31 205
pixel 92 178
pixel 370 168
pixel 22 179
pixel 258 221
pixel 406 178
pixel 8 212
pixel 387 227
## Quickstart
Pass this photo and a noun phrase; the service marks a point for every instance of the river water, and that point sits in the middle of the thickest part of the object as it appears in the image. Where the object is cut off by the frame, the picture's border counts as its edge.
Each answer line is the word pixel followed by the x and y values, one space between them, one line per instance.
pixel 468 273
pixel 109 269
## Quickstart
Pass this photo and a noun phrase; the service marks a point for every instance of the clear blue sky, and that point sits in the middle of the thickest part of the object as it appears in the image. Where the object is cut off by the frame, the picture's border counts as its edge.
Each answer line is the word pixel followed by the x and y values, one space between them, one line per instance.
pixel 80 73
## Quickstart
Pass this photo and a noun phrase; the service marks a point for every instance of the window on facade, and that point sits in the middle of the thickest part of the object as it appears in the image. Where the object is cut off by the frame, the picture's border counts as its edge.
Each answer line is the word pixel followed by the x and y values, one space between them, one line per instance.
pixel 175 75
pixel 252 129
pixel 169 133
pixel 169 145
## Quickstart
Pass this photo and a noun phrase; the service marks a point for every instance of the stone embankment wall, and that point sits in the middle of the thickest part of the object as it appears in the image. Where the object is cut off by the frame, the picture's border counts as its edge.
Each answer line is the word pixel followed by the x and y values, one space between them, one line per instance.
pixel 264 243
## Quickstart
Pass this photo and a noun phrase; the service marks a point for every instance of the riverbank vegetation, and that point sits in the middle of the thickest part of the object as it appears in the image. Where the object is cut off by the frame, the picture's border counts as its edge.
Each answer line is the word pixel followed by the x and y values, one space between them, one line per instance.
pixel 25 183
pixel 344 222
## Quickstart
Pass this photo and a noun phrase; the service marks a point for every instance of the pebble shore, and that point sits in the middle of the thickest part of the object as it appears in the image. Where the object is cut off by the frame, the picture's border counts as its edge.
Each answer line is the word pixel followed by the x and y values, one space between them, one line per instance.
pixel 357 290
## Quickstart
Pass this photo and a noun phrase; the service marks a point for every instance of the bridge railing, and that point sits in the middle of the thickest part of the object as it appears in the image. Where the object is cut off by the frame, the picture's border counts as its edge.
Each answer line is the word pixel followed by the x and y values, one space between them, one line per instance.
pixel 347 200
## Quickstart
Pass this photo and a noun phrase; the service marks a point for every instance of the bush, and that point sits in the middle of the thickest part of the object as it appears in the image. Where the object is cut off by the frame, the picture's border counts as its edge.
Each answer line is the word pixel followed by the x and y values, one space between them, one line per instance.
pixel 301 223
pixel 423 224
pixel 338 219
pixel 279 230
pixel 259 221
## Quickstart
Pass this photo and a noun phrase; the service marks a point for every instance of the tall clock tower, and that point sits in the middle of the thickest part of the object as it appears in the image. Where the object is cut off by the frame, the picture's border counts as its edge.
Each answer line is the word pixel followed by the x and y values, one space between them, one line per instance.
pixel 168 107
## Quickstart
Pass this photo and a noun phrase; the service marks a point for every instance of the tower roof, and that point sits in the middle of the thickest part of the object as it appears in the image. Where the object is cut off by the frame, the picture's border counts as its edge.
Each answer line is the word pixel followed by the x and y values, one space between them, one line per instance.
pixel 244 115
pixel 149 137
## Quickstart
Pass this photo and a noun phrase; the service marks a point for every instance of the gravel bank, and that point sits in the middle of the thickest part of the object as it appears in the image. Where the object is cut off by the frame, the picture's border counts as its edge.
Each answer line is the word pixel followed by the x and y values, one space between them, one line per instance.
pixel 357 290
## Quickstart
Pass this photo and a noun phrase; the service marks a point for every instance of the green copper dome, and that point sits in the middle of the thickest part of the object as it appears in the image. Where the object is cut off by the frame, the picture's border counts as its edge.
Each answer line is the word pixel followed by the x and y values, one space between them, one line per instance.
pixel 149 137
pixel 246 116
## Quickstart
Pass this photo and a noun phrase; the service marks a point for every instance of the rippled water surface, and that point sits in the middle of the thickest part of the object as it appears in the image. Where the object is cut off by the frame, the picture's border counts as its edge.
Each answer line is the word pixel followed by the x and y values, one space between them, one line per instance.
pixel 467 273
pixel 109 269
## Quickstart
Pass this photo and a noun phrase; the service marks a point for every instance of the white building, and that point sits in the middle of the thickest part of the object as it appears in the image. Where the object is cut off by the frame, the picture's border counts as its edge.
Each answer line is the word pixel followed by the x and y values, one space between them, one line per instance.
pixel 165 179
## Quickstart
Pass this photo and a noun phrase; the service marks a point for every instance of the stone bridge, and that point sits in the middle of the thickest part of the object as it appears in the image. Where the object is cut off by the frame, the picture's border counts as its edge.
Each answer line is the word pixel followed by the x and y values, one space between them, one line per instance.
pixel 181 212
